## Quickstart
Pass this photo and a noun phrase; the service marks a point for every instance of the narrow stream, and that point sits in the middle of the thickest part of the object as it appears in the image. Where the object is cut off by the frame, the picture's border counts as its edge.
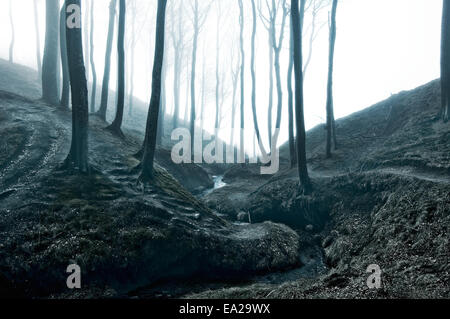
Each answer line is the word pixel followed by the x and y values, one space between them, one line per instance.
pixel 218 183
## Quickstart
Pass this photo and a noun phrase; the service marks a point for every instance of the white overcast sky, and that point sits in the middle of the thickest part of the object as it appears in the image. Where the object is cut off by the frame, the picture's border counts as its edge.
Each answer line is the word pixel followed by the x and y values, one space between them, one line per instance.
pixel 383 47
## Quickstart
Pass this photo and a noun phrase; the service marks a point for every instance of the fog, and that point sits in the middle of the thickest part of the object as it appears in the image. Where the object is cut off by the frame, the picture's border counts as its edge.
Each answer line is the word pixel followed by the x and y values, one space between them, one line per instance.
pixel 382 47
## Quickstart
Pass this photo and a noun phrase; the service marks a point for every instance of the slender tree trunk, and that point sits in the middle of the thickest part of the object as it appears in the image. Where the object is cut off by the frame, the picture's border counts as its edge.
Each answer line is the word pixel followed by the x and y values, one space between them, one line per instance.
pixel 242 108
pixel 86 40
pixel 330 113
pixel 445 61
pixel 193 72
pixel 38 40
pixel 188 85
pixel 115 127
pixel 162 111
pixel 216 122
pixel 152 122
pixel 233 106
pixel 252 68
pixel 131 65
pixel 270 108
pixel 65 95
pixel 94 73
pixel 78 156
pixel 50 92
pixel 13 36
pixel 297 17
pixel 107 71
pixel 202 111
pixel 292 151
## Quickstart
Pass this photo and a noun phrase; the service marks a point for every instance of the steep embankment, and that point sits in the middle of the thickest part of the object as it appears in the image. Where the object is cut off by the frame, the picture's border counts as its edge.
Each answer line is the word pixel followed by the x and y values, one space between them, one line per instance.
pixel 383 198
pixel 123 236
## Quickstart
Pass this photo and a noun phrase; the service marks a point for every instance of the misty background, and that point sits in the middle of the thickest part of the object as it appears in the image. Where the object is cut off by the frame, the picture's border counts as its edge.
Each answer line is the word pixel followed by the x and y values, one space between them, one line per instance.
pixel 382 47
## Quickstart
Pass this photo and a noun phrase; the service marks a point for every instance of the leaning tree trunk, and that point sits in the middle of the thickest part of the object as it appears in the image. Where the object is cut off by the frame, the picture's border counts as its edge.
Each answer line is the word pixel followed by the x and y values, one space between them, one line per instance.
pixel 50 92
pixel 445 61
pixel 38 40
pixel 153 113
pixel 107 71
pixel 91 57
pixel 13 36
pixel 292 153
pixel 115 127
pixel 330 115
pixel 297 17
pixel 65 95
pixel 242 108
pixel 78 156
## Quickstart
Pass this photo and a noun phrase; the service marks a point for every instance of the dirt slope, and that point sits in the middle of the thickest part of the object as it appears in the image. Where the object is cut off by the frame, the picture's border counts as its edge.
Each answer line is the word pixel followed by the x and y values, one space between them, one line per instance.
pixel 123 236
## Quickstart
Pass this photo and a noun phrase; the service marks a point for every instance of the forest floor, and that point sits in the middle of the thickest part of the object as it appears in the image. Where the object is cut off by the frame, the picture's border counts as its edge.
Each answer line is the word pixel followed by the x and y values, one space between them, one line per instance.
pixel 384 198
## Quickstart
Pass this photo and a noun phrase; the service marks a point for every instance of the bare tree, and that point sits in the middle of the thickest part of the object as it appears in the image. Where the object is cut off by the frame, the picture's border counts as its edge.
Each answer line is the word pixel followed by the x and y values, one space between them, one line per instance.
pixel 252 68
pixel 276 43
pixel 107 71
pixel 86 39
pixel 50 62
pixel 38 40
pixel 177 35
pixel 297 15
pixel 116 125
pixel 314 7
pixel 445 61
pixel 198 20
pixel 242 107
pixel 65 94
pixel 91 57
pixel 154 109
pixel 292 150
pixel 78 155
pixel 331 127
pixel 13 36
pixel 235 68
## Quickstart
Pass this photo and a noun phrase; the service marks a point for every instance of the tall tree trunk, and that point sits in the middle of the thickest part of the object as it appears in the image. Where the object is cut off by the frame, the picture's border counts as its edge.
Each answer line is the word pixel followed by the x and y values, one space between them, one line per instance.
pixel 50 92
pixel 78 156
pixel 107 71
pixel 153 113
pixel 86 40
pixel 297 17
pixel 94 73
pixel 13 36
pixel 188 86
pixel 38 40
pixel 242 107
pixel 270 108
pixel 193 72
pixel 115 127
pixel 216 122
pixel 330 112
pixel 162 110
pixel 292 151
pixel 65 95
pixel 131 65
pixel 445 61
pixel 252 68
pixel 203 101
pixel 177 42
pixel 235 74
